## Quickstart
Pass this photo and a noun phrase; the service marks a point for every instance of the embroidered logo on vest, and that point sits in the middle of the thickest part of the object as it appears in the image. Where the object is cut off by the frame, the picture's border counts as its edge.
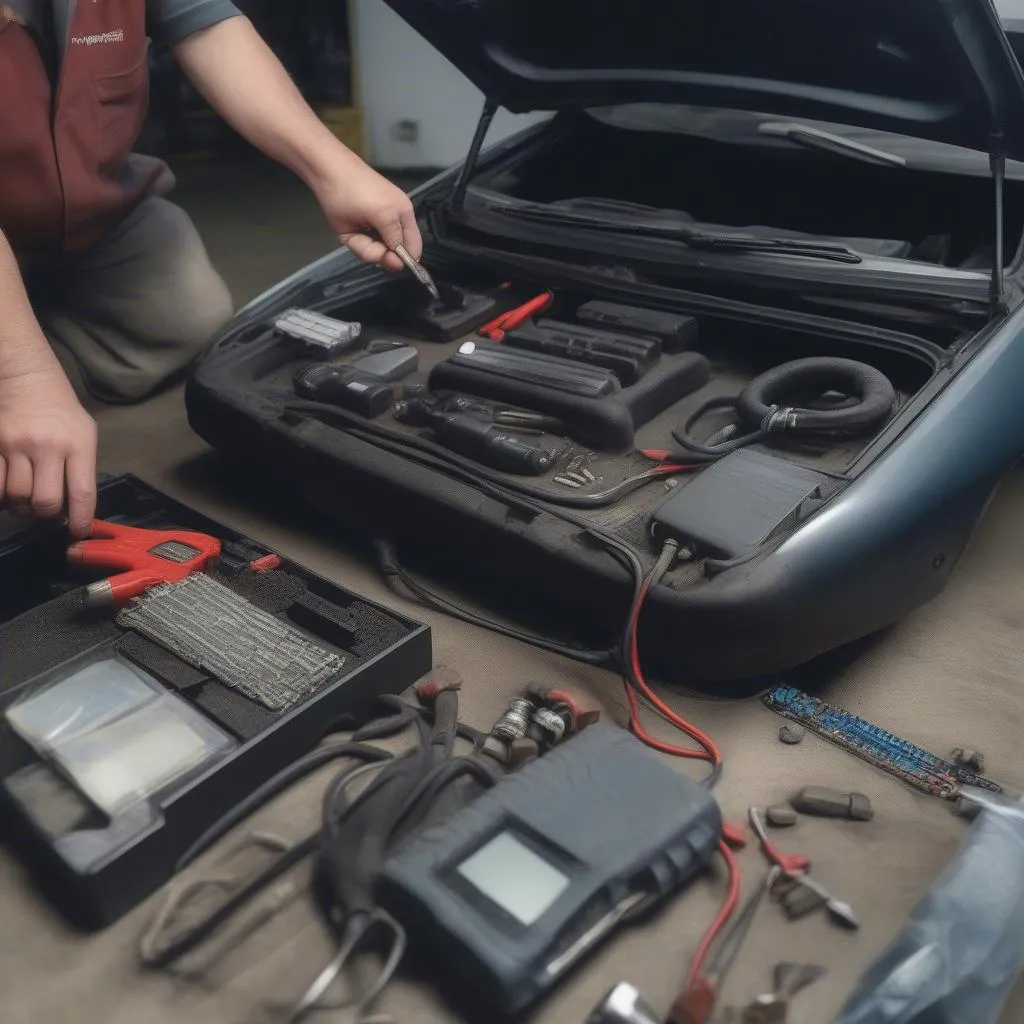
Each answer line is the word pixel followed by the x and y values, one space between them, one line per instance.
pixel 101 38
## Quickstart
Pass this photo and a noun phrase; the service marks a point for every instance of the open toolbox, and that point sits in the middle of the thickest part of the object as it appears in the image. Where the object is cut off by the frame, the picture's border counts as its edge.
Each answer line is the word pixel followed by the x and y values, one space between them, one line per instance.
pixel 117 752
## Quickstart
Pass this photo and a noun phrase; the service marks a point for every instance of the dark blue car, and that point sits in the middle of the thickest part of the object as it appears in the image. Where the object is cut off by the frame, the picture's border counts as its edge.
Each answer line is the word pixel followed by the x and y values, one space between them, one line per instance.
pixel 828 197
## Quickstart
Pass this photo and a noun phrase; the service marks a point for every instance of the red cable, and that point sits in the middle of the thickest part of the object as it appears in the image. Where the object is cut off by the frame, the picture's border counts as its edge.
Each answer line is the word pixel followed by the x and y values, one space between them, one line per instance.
pixel 710 752
pixel 732 898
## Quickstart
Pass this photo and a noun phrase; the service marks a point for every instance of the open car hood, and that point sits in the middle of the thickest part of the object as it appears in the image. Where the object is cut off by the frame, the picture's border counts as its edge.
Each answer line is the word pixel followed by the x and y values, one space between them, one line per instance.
pixel 935 69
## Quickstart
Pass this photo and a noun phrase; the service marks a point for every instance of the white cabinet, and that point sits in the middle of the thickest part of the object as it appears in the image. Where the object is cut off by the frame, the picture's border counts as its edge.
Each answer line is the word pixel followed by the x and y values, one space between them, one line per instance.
pixel 419 111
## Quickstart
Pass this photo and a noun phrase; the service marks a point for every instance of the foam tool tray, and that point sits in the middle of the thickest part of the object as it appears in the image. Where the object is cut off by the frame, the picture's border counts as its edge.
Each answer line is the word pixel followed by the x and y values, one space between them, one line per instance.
pixel 116 755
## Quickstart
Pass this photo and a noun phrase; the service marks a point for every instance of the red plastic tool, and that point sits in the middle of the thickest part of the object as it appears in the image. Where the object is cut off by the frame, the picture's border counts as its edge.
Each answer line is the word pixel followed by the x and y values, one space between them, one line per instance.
pixel 145 558
pixel 513 318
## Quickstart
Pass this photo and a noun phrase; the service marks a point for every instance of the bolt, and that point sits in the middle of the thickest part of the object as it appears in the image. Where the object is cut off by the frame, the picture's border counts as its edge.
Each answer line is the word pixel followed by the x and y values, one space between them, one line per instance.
pixel 516 719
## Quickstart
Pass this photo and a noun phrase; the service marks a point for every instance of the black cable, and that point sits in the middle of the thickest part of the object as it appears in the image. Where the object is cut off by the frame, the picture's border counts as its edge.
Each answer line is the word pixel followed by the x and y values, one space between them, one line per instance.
pixel 274 785
pixel 682 434
pixel 205 928
pixel 392 569
pixel 472 472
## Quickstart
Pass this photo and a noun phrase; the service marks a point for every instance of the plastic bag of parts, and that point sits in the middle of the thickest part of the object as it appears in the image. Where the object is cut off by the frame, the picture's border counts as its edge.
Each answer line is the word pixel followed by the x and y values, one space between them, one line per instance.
pixel 963 945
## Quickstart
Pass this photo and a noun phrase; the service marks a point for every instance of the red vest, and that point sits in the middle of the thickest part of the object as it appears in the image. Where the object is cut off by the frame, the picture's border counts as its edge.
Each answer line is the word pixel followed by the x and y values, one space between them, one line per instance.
pixel 65 172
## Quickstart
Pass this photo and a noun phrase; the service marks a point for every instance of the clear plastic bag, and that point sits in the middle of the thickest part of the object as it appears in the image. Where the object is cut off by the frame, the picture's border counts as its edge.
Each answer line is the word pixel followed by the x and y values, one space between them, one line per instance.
pixel 962 947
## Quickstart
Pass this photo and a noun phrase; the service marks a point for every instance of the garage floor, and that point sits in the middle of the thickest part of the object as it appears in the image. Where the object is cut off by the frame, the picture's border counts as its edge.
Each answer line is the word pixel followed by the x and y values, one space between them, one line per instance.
pixel 948 676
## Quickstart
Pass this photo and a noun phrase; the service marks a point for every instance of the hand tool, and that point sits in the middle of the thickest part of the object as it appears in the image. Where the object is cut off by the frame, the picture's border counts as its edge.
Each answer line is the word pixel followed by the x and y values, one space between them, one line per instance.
pixel 495 330
pixel 628 359
pixel 361 393
pixel 603 423
pixel 212 628
pixel 520 419
pixel 623 1005
pixel 522 883
pixel 696 1002
pixel 323 333
pixel 389 365
pixel 490 445
pixel 822 802
pixel 147 557
pixel 894 755
pixel 793 978
pixel 841 913
pixel 773 1007
pixel 675 330
pixel 417 270
pixel 791 863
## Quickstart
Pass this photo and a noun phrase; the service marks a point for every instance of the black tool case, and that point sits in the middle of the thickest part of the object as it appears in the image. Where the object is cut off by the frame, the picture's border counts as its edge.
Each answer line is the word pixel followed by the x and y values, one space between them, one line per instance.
pixel 96 865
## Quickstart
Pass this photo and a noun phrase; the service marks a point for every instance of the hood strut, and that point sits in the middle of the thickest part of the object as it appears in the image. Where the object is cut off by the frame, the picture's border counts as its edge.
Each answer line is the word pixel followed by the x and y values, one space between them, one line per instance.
pixel 469 166
pixel 997 161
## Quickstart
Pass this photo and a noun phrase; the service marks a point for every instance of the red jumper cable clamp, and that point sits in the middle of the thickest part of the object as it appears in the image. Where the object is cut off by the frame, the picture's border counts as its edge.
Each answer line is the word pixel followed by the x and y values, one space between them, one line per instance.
pixel 145 558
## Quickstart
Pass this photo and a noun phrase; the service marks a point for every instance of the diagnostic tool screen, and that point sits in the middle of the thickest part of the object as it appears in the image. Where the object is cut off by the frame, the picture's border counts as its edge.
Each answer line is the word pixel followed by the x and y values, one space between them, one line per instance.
pixel 510 874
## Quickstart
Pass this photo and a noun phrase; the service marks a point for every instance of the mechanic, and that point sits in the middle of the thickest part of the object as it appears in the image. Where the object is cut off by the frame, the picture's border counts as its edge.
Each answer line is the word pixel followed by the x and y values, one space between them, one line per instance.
pixel 105 287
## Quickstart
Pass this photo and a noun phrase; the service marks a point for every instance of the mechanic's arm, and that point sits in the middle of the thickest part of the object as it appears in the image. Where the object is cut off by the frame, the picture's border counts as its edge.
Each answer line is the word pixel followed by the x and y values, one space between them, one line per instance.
pixel 239 76
pixel 47 440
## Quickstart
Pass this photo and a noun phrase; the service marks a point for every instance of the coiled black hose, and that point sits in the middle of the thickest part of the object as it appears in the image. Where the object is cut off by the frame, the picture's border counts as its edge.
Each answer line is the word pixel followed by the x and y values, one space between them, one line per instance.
pixel 782 401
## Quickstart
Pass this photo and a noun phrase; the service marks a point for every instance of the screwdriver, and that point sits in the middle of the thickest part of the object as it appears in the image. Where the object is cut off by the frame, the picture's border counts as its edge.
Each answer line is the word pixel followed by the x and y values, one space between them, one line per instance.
pixel 488 444
pixel 418 271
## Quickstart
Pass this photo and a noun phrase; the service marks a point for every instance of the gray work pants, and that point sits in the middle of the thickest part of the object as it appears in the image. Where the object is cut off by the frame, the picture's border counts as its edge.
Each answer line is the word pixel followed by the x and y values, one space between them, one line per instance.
pixel 130 315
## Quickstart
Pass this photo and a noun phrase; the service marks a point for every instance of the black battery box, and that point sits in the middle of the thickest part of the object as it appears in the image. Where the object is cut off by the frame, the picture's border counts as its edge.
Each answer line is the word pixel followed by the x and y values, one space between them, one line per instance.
pixel 117 755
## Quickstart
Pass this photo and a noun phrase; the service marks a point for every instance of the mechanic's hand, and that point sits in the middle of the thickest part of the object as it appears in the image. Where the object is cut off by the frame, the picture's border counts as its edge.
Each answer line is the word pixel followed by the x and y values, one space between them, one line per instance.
pixel 47 448
pixel 357 200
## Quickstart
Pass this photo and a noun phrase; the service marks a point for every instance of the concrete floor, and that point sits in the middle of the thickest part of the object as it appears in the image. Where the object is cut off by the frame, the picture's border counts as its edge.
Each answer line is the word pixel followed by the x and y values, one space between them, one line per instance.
pixel 948 676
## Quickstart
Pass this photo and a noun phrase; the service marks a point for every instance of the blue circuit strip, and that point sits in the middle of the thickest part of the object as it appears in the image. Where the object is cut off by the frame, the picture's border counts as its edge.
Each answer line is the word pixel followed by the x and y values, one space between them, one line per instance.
pixel 899 757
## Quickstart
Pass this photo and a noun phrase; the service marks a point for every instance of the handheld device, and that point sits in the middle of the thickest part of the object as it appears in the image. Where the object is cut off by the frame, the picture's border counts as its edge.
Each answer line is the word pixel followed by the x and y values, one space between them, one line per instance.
pixel 517 887
pixel 362 393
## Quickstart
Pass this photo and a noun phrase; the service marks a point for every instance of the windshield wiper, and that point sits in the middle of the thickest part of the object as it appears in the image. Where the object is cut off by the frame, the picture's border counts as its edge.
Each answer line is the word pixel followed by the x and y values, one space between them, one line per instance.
pixel 694 238
pixel 815 138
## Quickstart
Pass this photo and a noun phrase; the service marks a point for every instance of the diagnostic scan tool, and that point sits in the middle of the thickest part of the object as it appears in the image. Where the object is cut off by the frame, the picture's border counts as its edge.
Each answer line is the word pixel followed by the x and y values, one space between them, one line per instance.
pixel 519 885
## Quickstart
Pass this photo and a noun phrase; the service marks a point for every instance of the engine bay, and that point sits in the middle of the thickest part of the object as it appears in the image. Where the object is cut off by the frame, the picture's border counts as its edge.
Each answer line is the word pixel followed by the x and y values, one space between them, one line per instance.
pixel 601 409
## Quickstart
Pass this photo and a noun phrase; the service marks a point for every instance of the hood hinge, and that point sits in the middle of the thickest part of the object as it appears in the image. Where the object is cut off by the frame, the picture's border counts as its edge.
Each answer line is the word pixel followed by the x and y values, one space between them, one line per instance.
pixel 469 165
pixel 997 161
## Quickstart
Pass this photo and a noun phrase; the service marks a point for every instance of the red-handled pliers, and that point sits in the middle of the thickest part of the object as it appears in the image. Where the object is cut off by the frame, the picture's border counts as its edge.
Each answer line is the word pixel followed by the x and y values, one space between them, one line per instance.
pixel 790 863
pixel 146 558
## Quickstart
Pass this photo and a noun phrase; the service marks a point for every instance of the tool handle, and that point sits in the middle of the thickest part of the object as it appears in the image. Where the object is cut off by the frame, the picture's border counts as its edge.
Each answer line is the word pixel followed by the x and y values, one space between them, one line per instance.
pixel 509 320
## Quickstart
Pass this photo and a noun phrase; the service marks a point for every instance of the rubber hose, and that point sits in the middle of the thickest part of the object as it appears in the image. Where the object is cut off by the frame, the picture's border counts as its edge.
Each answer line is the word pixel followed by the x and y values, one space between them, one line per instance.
pixel 777 399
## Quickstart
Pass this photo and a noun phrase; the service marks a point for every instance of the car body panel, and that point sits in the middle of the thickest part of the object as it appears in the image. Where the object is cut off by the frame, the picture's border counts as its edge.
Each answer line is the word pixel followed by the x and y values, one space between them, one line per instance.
pixel 937 69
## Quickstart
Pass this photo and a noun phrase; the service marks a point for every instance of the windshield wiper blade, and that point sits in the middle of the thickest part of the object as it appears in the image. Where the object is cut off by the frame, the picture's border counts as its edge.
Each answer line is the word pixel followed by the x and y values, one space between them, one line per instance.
pixel 815 138
pixel 676 232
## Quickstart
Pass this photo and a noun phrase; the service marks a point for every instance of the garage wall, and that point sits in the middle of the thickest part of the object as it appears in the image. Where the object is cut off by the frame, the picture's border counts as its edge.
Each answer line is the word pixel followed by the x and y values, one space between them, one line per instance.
pixel 401 78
